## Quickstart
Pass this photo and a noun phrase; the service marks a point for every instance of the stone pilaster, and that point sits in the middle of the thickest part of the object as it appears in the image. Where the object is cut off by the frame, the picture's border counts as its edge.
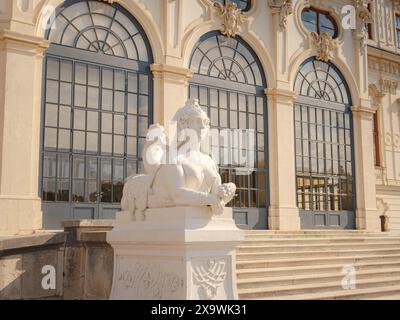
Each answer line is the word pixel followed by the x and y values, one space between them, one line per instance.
pixel 283 211
pixel 170 91
pixel 367 217
pixel 21 58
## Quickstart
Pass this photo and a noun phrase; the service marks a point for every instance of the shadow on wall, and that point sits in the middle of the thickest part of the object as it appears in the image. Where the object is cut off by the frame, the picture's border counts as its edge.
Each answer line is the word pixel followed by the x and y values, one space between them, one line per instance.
pixel 74 264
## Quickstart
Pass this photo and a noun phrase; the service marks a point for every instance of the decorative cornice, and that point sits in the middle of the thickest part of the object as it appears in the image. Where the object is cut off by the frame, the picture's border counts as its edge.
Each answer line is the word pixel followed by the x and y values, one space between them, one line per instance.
pixel 284 8
pixel 323 45
pixel 231 18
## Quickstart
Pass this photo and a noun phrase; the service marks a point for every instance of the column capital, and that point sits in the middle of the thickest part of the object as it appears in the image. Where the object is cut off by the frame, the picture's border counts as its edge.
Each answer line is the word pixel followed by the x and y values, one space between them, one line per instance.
pixel 171 73
pixel 363 110
pixel 276 93
pixel 23 44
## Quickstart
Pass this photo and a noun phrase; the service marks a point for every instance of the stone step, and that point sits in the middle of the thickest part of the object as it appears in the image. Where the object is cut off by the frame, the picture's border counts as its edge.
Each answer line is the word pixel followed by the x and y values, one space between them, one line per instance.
pixel 271 263
pixel 375 293
pixel 394 297
pixel 327 288
pixel 318 234
pixel 311 240
pixel 256 247
pixel 311 270
pixel 313 279
pixel 315 254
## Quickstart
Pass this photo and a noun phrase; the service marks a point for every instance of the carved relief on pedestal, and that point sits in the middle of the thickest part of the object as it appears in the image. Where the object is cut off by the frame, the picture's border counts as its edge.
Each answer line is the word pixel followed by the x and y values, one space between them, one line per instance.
pixel 231 18
pixel 148 280
pixel 209 276
pixel 284 8
pixel 323 45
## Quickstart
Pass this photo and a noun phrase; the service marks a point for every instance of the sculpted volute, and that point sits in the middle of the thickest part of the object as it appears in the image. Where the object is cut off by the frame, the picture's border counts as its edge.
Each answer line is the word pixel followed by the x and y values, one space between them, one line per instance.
pixel 187 178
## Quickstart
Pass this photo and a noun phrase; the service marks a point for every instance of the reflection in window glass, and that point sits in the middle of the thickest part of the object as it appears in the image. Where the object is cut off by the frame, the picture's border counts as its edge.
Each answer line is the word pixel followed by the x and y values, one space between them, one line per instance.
pixel 91 127
pixel 319 21
pixel 327 175
pixel 236 100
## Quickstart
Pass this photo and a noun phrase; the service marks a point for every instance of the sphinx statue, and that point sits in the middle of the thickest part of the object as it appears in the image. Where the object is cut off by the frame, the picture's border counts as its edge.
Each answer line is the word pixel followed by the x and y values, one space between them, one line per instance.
pixel 188 179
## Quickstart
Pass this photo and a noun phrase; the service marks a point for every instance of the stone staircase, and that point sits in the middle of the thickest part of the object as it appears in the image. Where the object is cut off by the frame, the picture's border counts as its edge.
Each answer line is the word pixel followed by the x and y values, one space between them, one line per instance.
pixel 309 265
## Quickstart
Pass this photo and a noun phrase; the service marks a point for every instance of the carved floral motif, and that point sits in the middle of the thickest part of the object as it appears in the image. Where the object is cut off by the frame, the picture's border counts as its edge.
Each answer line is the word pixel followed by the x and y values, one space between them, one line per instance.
pixel 231 18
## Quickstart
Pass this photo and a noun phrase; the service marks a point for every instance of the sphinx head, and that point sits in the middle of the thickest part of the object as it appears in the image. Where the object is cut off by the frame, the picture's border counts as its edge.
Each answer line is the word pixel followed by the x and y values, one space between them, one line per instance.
pixel 192 117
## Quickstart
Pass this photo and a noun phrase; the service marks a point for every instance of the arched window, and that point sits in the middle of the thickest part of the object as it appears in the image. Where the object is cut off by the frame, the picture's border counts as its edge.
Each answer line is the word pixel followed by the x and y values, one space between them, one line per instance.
pixel 319 21
pixel 229 82
pixel 97 106
pixel 324 147
pixel 243 5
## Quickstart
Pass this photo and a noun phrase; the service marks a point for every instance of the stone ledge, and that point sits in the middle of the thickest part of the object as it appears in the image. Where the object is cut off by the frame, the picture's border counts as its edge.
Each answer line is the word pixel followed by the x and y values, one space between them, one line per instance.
pixel 107 224
pixel 94 236
pixel 29 241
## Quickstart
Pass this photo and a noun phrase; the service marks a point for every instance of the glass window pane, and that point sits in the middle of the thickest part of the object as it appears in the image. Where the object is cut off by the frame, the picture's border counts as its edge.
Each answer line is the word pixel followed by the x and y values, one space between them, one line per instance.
pixel 50 141
pixel 51 115
pixel 93 75
pixel 80 96
pixel 80 73
pixel 106 143
pixel 107 78
pixel 92 142
pixel 53 69
pixel 49 166
pixel 119 124
pixel 79 141
pixel 65 117
pixel 49 190
pixel 64 140
pixel 93 98
pixel 52 91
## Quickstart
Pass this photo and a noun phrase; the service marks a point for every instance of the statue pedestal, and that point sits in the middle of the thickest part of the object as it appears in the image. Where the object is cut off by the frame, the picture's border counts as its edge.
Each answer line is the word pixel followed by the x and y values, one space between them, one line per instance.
pixel 181 253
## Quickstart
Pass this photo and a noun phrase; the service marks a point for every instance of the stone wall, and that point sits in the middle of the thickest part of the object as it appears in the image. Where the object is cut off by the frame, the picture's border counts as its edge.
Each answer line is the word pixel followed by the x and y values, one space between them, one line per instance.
pixel 81 257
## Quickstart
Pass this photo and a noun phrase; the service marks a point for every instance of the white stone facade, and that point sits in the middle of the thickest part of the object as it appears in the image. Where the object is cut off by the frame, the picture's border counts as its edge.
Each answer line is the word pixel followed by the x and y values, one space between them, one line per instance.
pixel 280 41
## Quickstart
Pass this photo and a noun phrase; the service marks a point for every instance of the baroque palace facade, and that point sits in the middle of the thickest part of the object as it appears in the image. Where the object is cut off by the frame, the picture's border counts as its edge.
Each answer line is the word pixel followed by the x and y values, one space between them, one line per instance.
pixel 81 81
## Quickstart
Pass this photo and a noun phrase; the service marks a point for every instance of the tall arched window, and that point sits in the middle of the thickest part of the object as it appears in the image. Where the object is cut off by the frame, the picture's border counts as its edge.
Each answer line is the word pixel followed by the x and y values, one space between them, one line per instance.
pixel 324 147
pixel 97 105
pixel 229 82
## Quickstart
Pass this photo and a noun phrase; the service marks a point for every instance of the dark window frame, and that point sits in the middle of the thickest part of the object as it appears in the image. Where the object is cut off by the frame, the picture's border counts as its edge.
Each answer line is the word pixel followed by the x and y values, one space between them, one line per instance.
pixel 377 146
pixel 244 9
pixel 397 22
pixel 249 102
pixel 319 13
pixel 335 139
pixel 122 67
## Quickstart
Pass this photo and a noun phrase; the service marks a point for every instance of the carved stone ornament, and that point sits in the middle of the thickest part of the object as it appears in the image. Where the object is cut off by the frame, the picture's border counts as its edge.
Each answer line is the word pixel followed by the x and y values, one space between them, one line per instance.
pixel 150 281
pixel 284 8
pixel 323 45
pixel 231 18
pixel 178 171
pixel 210 276
pixel 376 95
pixel 363 12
